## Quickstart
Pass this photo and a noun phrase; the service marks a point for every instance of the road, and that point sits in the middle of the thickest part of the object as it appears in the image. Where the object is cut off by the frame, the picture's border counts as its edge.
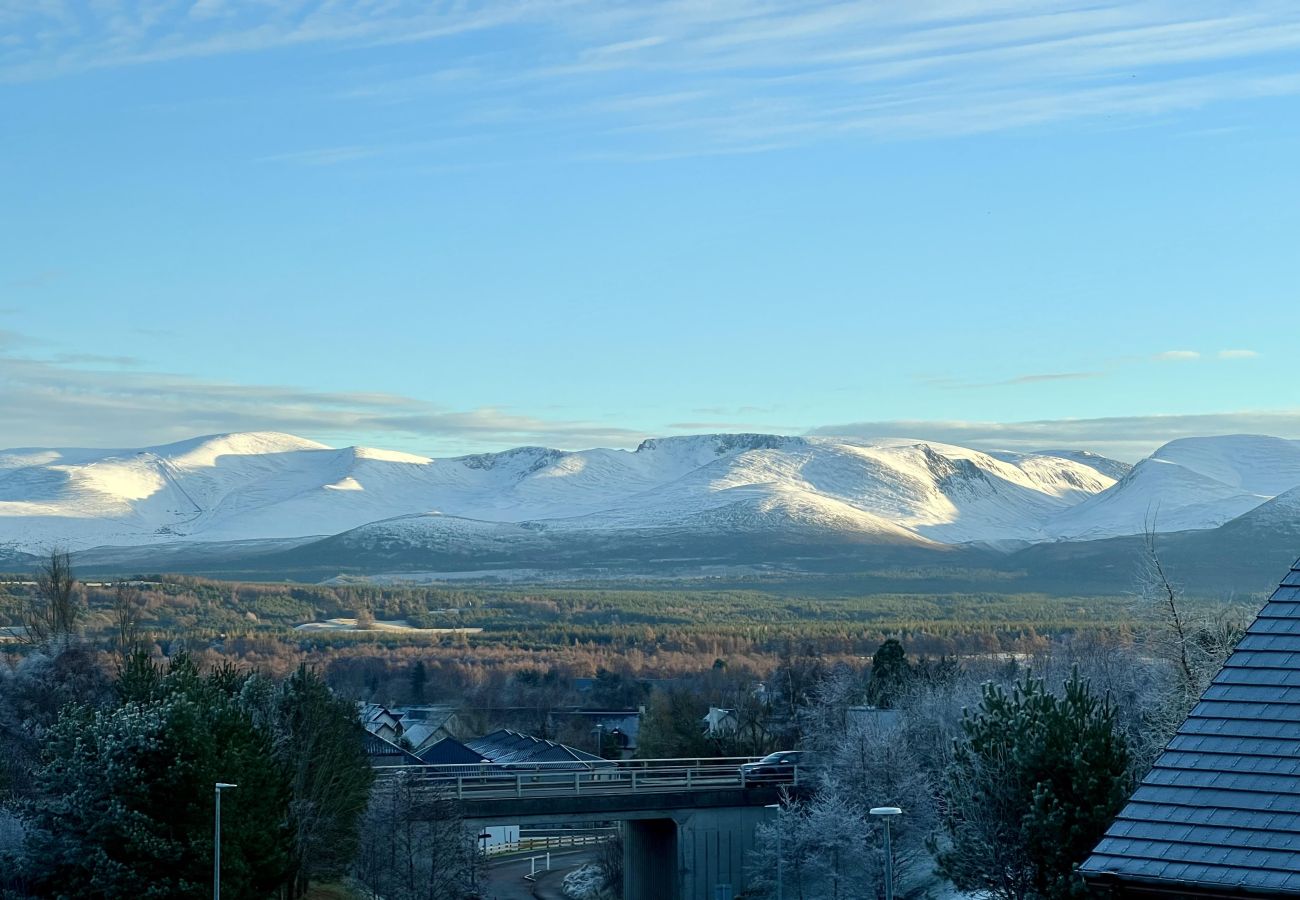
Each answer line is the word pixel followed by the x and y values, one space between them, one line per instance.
pixel 505 878
pixel 571 780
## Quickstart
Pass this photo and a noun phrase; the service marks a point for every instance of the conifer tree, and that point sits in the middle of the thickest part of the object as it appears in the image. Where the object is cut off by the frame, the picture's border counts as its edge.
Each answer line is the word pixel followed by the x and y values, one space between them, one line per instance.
pixel 124 805
pixel 1034 783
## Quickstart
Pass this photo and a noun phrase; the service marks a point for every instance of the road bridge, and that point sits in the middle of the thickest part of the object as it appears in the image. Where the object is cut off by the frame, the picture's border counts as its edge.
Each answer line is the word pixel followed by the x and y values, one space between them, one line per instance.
pixel 687 824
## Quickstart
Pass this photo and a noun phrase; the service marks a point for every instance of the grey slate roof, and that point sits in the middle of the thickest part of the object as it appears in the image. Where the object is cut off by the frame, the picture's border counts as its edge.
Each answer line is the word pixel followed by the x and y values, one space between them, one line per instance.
pixel 1220 810
pixel 385 753
pixel 450 751
pixel 510 748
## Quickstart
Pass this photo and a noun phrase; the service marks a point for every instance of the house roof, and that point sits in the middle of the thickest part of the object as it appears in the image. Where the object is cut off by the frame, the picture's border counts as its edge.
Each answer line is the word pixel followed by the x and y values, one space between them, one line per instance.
pixel 421 734
pixel 510 748
pixel 385 753
pixel 420 725
pixel 449 751
pixel 1220 810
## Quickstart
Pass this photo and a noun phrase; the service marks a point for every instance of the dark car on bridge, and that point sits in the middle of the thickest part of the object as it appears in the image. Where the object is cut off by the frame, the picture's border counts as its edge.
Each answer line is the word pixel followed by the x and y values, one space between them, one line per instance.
pixel 778 768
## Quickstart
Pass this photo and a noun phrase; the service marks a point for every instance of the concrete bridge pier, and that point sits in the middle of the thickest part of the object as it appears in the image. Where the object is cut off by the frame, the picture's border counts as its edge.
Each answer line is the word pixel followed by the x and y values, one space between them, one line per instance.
pixel 690 855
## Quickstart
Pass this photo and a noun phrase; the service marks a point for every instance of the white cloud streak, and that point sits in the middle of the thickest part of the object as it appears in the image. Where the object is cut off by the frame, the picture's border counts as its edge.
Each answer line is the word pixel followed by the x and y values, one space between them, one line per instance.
pixel 1178 356
pixel 83 401
pixel 1122 437
pixel 663 78
pixel 69 400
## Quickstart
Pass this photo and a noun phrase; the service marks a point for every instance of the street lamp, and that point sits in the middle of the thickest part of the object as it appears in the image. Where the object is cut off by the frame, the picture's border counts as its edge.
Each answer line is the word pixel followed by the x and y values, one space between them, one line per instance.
pixel 886 813
pixel 600 739
pixel 780 857
pixel 216 842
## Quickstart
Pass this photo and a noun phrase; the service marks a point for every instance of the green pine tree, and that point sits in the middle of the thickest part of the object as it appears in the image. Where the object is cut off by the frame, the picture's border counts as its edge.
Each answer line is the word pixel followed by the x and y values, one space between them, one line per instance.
pixel 890 673
pixel 1033 786
pixel 125 798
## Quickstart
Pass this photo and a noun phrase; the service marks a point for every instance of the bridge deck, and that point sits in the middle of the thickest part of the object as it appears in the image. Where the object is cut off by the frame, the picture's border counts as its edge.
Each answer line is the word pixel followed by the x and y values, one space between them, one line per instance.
pixel 612 789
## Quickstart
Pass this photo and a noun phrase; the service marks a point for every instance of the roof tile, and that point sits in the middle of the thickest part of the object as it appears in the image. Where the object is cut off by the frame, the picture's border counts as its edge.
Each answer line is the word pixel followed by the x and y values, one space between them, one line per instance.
pixel 1221 806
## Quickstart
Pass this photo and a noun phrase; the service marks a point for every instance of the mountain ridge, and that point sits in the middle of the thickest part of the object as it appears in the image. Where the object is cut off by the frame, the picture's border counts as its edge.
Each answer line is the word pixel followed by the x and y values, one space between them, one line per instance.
pixel 740 495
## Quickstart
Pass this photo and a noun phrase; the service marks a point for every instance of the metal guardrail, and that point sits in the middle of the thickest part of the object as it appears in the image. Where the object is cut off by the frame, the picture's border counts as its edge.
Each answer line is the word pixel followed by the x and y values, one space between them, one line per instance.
pixel 572 779
pixel 549 842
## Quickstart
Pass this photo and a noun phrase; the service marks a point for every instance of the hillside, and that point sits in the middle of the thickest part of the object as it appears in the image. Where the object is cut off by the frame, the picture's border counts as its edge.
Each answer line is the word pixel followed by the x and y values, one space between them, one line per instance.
pixel 271 504
pixel 274 486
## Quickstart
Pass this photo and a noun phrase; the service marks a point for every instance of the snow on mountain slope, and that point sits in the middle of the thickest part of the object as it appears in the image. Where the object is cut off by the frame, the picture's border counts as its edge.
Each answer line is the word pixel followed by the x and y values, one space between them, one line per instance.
pixel 1265 466
pixel 1281 514
pixel 1111 468
pixel 1191 483
pixel 266 485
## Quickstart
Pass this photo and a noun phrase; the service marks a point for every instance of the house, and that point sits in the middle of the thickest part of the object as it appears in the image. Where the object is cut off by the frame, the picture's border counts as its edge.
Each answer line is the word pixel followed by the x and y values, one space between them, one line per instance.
pixel 378 720
pixel 510 749
pixel 452 753
pixel 1219 813
pixel 382 753
pixel 423 726
pixel 719 721
pixel 415 727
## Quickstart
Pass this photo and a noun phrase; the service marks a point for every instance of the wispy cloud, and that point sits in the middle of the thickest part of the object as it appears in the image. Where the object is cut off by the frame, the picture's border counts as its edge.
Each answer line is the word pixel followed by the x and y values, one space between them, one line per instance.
pixel 1177 356
pixel 1237 354
pixel 1122 437
pixel 953 383
pixel 90 400
pixel 663 78
pixel 714 426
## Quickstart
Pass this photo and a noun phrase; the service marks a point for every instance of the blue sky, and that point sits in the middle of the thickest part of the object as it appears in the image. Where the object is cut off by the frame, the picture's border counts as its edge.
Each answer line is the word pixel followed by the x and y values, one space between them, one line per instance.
pixel 452 227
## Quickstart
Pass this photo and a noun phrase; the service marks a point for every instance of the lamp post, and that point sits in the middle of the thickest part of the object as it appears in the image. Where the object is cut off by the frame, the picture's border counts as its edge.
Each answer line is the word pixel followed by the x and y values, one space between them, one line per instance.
pixel 600 739
pixel 216 842
pixel 780 857
pixel 886 813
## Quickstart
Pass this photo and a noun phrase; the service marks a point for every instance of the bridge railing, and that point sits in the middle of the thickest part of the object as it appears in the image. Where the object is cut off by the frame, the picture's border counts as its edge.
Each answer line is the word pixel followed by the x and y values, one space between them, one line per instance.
pixel 569 778
pixel 555 841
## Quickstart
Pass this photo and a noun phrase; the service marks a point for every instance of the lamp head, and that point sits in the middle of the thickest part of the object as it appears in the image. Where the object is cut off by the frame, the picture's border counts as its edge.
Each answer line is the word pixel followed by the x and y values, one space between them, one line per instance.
pixel 886 811
pixel 222 785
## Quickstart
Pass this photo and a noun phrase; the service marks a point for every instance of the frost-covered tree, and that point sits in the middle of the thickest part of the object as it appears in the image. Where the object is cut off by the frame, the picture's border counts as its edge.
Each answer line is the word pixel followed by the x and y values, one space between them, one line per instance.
pixel 52 611
pixel 414 845
pixel 829 844
pixel 1192 641
pixel 126 805
pixel 31 695
pixel 820 849
pixel 876 766
pixel 1033 785
pixel 123 804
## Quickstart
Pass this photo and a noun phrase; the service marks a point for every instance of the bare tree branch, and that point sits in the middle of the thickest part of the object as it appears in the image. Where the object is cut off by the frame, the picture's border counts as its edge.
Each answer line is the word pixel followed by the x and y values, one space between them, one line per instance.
pixel 50 613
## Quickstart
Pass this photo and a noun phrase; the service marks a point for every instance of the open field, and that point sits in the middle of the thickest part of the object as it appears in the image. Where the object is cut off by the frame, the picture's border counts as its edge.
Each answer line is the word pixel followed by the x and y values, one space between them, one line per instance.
pixel 401 626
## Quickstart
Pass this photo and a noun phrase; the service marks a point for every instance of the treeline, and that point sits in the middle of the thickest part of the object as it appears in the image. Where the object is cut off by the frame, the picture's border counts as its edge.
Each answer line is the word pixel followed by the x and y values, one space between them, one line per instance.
pixel 566 634
pixel 109 758
pixel 652 634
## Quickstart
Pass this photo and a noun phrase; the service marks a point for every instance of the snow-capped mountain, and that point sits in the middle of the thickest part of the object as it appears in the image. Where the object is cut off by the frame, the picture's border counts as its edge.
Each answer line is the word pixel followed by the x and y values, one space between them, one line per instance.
pixel 1188 484
pixel 267 485
pixel 241 488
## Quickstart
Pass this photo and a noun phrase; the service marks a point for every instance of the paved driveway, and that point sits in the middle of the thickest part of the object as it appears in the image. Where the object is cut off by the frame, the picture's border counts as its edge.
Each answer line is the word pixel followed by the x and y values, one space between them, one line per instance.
pixel 505 879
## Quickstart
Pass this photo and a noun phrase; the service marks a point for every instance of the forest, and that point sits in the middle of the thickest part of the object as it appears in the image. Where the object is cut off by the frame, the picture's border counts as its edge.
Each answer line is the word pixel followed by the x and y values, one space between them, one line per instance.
pixel 912 701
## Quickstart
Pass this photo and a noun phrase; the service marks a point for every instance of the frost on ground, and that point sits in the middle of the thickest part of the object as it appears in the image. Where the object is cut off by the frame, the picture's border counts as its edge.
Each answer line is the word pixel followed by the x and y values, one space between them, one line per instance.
pixel 587 882
pixel 380 625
